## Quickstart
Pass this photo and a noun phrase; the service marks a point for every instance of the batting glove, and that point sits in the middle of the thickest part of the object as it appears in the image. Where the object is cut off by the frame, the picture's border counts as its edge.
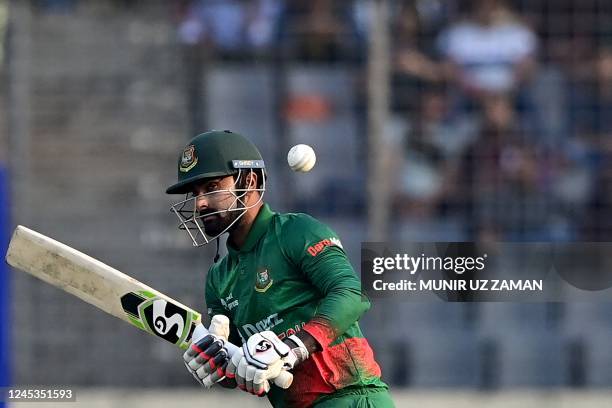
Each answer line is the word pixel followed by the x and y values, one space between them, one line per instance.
pixel 264 358
pixel 206 358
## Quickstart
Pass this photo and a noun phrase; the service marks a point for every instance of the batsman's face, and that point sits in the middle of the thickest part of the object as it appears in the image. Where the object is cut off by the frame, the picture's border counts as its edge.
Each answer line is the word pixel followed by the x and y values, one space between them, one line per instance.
pixel 216 204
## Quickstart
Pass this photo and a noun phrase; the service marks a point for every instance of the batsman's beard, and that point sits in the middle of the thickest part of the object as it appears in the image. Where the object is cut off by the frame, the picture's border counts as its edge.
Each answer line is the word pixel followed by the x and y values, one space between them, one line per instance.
pixel 219 223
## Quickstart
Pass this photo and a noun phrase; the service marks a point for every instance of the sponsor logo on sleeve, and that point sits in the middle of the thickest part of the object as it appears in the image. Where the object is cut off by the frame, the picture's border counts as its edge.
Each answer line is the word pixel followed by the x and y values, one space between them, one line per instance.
pixel 317 248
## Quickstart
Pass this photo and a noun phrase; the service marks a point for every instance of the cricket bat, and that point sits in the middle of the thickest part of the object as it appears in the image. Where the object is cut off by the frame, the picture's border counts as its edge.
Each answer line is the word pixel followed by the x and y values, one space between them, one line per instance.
pixel 111 290
pixel 103 286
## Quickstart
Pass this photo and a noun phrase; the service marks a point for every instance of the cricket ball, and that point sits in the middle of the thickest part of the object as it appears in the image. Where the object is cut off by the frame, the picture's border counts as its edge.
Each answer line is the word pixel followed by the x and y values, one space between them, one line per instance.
pixel 301 158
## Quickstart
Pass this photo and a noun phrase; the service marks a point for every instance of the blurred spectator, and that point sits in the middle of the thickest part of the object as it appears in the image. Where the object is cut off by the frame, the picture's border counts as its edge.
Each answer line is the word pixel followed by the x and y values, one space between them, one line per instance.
pixel 412 67
pixel 591 108
pixel 571 189
pixel 490 51
pixel 231 29
pixel 591 103
pixel 318 31
pixel 569 29
pixel 504 179
pixel 597 224
pixel 434 144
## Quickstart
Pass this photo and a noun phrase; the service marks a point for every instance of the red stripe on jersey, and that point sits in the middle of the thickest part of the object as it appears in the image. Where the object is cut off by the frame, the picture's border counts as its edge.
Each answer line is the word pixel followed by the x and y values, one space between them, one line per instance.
pixel 348 363
pixel 323 333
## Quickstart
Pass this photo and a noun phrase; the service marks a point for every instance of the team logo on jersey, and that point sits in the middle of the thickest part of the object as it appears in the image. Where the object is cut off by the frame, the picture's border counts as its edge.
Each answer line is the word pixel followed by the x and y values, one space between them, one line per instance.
pixel 263 280
pixel 189 159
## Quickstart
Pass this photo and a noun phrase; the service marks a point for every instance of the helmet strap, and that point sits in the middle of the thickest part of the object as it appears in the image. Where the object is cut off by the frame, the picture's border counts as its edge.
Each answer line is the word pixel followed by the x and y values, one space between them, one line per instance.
pixel 217 253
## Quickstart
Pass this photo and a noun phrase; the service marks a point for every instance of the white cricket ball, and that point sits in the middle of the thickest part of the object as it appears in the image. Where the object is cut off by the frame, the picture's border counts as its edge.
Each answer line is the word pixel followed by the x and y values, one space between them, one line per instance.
pixel 301 158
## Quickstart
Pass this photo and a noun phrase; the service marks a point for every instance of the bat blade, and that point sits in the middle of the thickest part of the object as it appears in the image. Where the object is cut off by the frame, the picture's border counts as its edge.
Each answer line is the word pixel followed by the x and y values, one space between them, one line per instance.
pixel 102 286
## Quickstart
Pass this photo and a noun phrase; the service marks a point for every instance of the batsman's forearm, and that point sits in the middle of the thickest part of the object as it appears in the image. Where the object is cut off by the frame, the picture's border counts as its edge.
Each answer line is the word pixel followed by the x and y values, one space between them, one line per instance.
pixel 339 309
pixel 343 302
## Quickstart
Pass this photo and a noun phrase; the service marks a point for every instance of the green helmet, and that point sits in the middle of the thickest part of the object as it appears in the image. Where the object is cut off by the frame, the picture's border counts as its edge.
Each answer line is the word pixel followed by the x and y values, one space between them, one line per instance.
pixel 210 155
pixel 213 154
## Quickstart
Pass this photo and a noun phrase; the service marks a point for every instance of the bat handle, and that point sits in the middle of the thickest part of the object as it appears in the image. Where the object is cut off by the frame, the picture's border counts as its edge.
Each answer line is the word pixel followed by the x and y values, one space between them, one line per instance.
pixel 284 379
pixel 219 326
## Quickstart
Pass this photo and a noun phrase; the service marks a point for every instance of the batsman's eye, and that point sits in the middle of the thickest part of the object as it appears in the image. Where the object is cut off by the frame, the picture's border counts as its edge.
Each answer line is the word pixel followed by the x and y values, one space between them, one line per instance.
pixel 212 187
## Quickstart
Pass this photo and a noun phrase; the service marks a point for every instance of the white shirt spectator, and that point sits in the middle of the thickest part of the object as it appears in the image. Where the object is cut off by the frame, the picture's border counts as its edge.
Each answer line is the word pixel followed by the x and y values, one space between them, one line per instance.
pixel 488 55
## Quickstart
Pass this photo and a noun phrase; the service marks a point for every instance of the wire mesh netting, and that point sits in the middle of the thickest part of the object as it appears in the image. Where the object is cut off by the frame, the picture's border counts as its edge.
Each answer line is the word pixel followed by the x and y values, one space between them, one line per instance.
pixel 497 128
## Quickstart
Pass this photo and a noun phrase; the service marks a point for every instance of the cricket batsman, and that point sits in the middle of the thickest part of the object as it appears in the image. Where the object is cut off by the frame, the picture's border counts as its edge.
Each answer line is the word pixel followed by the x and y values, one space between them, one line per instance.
pixel 291 295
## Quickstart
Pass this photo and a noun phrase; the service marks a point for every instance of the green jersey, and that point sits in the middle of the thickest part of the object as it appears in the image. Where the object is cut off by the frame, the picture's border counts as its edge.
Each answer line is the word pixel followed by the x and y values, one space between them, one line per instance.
pixel 290 275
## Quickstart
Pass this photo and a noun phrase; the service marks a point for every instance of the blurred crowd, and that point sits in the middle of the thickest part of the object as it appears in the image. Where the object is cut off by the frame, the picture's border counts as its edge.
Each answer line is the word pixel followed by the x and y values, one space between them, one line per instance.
pixel 505 104
pixel 312 31
pixel 502 103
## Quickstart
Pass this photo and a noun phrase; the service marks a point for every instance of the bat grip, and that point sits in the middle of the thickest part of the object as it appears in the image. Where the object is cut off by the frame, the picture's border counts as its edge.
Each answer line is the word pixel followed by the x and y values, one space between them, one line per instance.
pixel 201 331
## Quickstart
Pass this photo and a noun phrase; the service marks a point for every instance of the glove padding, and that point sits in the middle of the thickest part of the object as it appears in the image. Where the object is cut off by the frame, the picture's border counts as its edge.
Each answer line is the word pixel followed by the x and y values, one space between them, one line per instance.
pixel 263 358
pixel 206 358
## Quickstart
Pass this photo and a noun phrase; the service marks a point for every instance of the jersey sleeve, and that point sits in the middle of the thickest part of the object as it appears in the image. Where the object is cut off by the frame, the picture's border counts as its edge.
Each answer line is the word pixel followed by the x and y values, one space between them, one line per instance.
pixel 317 251
pixel 215 307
